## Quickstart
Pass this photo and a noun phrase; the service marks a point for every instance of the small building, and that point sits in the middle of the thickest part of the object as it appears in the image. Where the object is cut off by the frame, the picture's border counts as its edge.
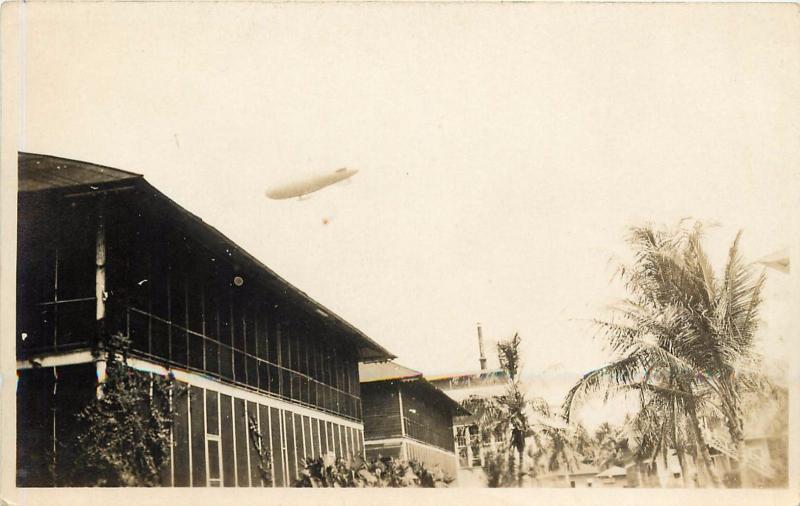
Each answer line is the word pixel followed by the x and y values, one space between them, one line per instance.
pixel 406 417
pixel 102 253
pixel 471 449
pixel 582 476
pixel 469 446
pixel 613 477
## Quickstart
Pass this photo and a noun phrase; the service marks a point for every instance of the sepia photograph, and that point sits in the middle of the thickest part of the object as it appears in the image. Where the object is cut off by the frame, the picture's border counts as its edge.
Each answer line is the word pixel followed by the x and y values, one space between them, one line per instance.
pixel 528 249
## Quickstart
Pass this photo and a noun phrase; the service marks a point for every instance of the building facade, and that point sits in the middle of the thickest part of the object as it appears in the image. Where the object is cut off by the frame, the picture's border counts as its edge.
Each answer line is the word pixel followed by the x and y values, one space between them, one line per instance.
pixel 406 417
pixel 101 252
pixel 470 448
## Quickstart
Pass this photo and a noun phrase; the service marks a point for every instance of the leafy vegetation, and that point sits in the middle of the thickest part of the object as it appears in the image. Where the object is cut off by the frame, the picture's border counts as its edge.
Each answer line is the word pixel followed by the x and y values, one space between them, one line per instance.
pixel 125 432
pixel 264 462
pixel 683 343
pixel 519 426
pixel 332 472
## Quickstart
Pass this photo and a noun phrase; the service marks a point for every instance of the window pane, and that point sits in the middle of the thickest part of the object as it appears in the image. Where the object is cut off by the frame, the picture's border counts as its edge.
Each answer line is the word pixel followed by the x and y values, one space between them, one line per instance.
pixel 252 372
pixel 212 412
pixel 239 367
pixel 226 362
pixel 212 356
pixel 213 460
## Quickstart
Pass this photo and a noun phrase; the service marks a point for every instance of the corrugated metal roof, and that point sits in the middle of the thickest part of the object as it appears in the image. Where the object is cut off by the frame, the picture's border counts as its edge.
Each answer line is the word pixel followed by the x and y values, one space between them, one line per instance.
pixel 612 472
pixel 487 375
pixel 43 172
pixel 385 371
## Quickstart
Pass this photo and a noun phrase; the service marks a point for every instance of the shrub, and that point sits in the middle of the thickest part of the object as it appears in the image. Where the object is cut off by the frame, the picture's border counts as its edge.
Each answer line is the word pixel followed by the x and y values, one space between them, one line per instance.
pixel 498 469
pixel 124 433
pixel 357 472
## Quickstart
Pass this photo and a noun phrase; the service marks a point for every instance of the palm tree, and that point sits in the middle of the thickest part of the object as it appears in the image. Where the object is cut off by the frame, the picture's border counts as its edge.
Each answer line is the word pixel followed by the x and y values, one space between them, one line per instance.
pixel 681 334
pixel 507 416
pixel 658 426
pixel 560 448
pixel 611 444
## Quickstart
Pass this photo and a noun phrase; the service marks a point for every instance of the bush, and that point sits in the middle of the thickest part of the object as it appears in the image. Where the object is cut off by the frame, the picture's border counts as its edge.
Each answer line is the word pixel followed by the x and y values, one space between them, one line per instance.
pixel 498 469
pixel 356 472
pixel 124 433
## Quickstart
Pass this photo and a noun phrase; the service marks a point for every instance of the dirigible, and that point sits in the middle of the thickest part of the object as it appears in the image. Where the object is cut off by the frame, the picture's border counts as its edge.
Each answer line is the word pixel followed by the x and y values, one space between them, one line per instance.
pixel 309 185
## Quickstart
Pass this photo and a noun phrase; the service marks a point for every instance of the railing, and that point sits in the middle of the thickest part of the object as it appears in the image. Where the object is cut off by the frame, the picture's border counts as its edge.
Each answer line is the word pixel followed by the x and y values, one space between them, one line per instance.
pixel 727 448
pixel 425 434
pixel 56 326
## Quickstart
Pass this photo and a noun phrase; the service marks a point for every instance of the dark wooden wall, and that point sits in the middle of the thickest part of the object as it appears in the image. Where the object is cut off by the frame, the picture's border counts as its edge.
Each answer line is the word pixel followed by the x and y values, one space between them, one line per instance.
pixel 381 410
pixel 176 299
pixel 426 417
pixel 213 444
pixel 55 274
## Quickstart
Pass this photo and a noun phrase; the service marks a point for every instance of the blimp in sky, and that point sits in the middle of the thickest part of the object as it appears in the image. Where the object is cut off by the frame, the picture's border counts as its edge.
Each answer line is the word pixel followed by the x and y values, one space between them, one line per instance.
pixel 309 185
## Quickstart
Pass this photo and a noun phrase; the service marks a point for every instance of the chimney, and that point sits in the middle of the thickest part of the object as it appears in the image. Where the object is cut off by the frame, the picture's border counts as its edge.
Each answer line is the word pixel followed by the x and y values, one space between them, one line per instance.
pixel 480 347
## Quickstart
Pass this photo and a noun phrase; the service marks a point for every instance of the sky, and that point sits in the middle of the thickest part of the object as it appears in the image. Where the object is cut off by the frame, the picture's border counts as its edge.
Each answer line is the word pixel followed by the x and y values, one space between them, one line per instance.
pixel 502 150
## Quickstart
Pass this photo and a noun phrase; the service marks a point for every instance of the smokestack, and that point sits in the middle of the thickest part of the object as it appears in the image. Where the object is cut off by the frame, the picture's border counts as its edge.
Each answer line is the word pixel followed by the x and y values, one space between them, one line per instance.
pixel 480 347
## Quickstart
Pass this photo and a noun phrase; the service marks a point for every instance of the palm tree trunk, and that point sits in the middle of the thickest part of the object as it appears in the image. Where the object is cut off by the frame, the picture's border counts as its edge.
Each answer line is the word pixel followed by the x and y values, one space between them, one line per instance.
pixel 682 463
pixel 679 449
pixel 734 424
pixel 736 438
pixel 512 465
pixel 700 441
pixel 520 452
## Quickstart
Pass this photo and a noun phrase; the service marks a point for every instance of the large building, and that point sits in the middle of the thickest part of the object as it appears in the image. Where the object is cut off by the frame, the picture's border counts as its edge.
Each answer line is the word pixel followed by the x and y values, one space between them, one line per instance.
pixel 406 417
pixel 101 252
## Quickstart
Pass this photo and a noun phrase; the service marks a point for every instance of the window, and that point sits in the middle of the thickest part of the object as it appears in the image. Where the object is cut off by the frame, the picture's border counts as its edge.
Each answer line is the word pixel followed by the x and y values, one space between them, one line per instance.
pixel 475 445
pixel 468 445
pixel 461 446
pixel 213 454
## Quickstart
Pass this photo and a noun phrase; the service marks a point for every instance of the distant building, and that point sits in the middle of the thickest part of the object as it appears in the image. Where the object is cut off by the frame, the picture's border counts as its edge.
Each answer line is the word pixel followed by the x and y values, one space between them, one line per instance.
pixel 470 447
pixel 102 252
pixel 764 454
pixel 460 387
pixel 583 476
pixel 763 461
pixel 407 417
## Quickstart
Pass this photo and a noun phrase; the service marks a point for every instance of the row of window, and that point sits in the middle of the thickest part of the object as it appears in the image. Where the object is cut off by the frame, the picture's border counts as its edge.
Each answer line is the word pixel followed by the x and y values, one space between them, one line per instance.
pixel 159 340
pixel 220 440
pixel 218 319
pixel 433 434
pixel 469 447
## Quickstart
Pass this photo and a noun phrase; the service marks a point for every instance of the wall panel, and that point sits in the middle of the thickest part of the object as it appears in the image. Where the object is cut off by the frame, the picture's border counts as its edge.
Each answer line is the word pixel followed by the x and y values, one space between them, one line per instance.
pixel 298 441
pixel 290 446
pixel 266 435
pixel 198 436
pixel 277 445
pixel 252 418
pixel 180 440
pixel 228 450
pixel 308 450
pixel 240 434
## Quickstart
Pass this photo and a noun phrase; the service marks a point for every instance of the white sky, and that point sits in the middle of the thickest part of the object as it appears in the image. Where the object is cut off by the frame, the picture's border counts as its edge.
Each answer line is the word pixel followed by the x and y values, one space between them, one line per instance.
pixel 503 149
